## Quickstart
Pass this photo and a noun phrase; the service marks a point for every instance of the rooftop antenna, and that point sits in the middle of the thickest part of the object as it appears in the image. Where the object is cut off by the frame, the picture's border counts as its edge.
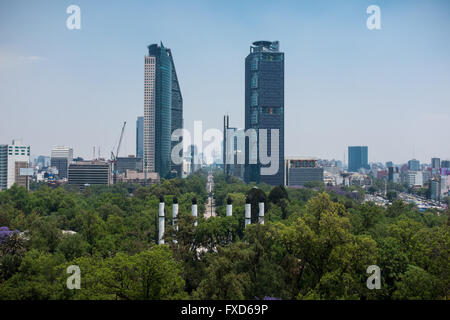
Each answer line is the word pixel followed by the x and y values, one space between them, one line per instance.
pixel 93 155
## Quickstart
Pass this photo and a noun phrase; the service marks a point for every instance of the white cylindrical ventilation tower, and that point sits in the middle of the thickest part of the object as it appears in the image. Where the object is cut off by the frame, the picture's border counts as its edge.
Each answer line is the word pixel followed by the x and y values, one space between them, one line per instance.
pixel 175 217
pixel 194 210
pixel 175 213
pixel 261 211
pixel 248 212
pixel 161 221
pixel 229 207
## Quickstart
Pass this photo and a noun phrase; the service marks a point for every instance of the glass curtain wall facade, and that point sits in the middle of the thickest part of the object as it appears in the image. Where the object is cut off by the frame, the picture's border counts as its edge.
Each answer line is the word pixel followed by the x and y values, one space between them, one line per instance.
pixel 177 111
pixel 264 104
pixel 358 158
pixel 158 110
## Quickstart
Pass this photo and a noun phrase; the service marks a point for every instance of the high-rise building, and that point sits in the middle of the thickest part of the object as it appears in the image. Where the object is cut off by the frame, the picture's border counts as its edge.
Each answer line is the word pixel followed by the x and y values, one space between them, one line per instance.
pixel 445 185
pixel 159 94
pixel 445 164
pixel 414 178
pixel 13 158
pixel 43 161
pixel 231 138
pixel 391 171
pixel 436 163
pixel 414 165
pixel 264 105
pixel 435 189
pixel 358 158
pixel 226 144
pixel 195 158
pixel 60 159
pixel 426 176
pixel 393 174
pixel 140 138
pixel 177 113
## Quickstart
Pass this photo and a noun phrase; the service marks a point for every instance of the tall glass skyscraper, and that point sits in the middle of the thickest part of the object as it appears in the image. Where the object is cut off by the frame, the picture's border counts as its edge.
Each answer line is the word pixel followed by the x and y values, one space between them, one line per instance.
pixel 436 163
pixel 264 103
pixel 140 137
pixel 358 158
pixel 161 88
pixel 177 111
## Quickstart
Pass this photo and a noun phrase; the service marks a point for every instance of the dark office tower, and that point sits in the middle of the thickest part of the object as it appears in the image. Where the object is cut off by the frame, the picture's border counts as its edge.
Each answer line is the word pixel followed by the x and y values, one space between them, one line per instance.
pixel 177 111
pixel 358 158
pixel 140 137
pixel 391 174
pixel 414 165
pixel 227 167
pixel 231 138
pixel 157 110
pixel 60 159
pixel 436 163
pixel 264 104
pixel 445 164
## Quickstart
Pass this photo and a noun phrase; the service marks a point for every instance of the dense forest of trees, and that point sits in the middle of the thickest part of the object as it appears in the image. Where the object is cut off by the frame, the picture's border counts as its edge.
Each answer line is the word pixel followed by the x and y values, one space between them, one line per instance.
pixel 316 243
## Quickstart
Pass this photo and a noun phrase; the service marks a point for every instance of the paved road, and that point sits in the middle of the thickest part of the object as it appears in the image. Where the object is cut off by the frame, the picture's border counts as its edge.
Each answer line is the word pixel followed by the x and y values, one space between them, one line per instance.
pixel 210 206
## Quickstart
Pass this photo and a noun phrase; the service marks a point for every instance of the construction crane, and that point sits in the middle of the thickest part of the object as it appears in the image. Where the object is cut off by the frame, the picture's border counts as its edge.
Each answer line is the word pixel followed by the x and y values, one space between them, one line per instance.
pixel 114 156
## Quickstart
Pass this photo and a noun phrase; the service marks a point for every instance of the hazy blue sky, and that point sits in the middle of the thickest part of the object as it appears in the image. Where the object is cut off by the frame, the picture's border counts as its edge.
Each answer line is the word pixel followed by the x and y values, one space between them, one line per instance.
pixel 344 84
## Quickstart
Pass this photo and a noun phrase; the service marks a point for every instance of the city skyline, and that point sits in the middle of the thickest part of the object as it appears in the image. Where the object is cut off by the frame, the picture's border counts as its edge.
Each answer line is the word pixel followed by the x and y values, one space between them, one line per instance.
pixel 345 85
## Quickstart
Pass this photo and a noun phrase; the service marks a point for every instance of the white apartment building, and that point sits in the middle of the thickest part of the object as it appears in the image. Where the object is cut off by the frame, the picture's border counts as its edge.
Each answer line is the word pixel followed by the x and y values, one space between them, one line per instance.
pixel 18 156
pixel 414 178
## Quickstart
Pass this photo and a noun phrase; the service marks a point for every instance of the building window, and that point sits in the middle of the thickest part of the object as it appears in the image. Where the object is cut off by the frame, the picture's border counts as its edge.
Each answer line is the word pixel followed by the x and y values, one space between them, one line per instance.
pixel 254 117
pixel 255 81
pixel 254 65
pixel 254 99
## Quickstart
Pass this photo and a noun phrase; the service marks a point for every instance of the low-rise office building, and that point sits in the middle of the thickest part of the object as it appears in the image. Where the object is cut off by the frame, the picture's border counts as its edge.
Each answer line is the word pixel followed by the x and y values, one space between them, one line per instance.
pixel 86 173
pixel 128 163
pixel 299 171
pixel 133 176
